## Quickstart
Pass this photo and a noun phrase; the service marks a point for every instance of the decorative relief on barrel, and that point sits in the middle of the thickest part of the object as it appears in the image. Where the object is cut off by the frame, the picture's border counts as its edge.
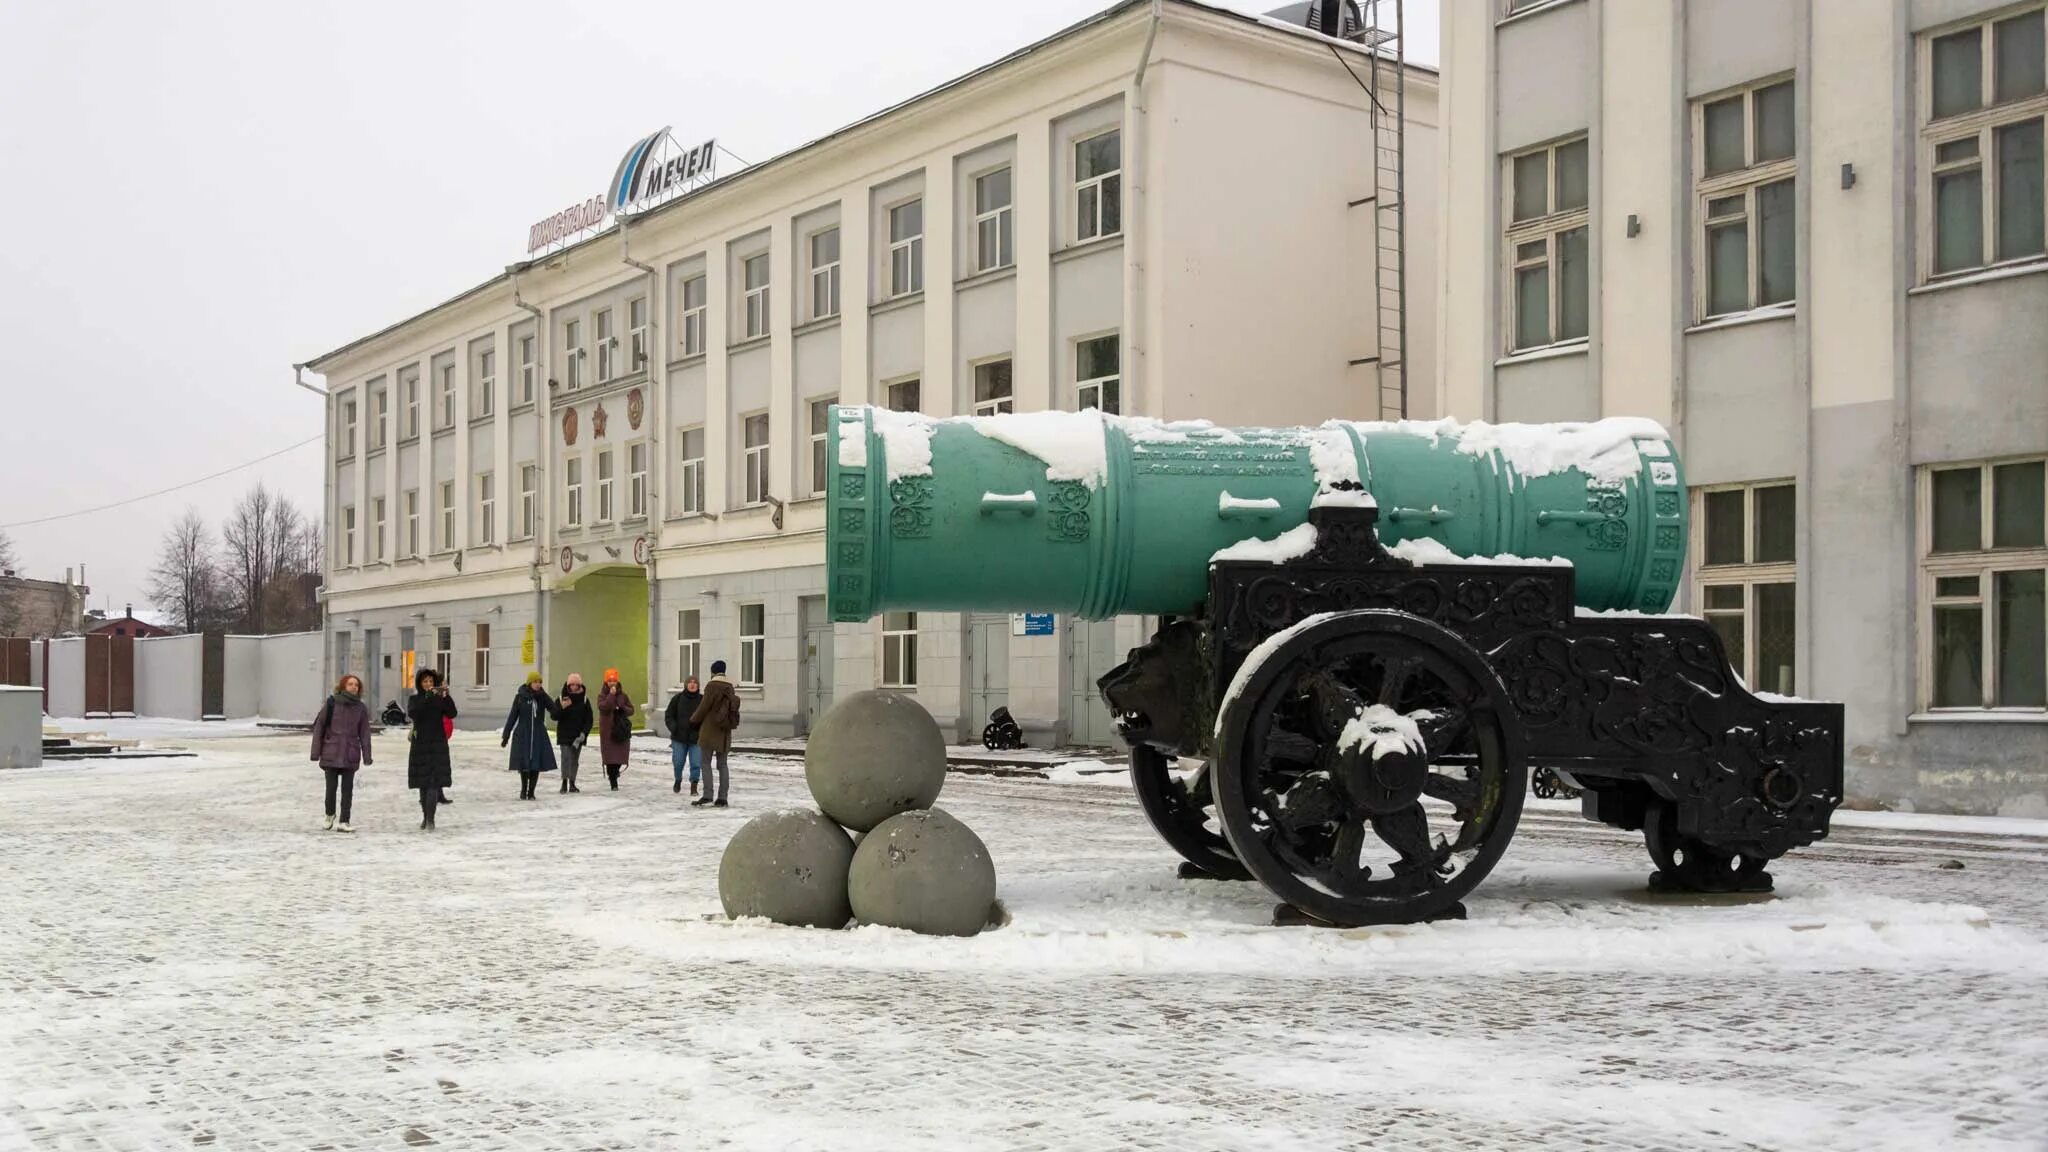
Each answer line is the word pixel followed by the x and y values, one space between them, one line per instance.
pixel 911 514
pixel 1068 504
pixel 853 486
pixel 1608 533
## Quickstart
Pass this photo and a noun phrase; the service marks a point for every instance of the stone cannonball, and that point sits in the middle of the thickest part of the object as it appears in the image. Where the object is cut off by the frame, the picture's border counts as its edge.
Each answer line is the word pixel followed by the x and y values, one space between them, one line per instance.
pixel 789 866
pixel 925 871
pixel 875 754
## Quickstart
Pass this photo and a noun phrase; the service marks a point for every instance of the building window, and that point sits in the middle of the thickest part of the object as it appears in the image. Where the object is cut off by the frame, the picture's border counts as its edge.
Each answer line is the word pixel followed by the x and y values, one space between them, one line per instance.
pixel 906 248
pixel 572 353
pixel 409 393
pixel 572 477
pixel 1987 101
pixel 693 316
pixel 527 370
pixel 380 418
pixel 444 650
pixel 529 492
pixel 486 509
pixel 899 650
pixel 604 486
pixel 692 479
pixel 343 649
pixel 412 523
pixel 1743 154
pixel 377 529
pixel 755 276
pixel 689 643
pixel 755 441
pixel 486 381
pixel 904 395
pixel 1982 577
pixel 607 344
pixel 348 428
pixel 753 643
pixel 1098 186
pixel 992 388
pixel 1549 276
pixel 993 226
pixel 481 670
pixel 636 480
pixel 444 397
pixel 636 334
pixel 348 536
pixel 1746 579
pixel 825 274
pixel 448 515
pixel 1097 375
pixel 821 424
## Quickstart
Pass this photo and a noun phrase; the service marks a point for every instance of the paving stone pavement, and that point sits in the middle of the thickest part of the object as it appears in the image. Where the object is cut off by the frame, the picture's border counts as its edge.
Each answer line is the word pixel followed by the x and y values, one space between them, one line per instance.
pixel 186 961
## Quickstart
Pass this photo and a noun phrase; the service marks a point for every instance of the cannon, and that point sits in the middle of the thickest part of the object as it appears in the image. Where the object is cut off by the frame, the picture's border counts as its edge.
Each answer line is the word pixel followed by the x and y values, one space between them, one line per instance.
pixel 1368 635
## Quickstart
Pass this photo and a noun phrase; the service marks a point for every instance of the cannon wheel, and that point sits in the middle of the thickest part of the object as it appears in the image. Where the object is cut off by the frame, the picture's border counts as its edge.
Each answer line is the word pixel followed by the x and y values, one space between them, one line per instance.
pixel 1303 817
pixel 1180 815
pixel 1688 865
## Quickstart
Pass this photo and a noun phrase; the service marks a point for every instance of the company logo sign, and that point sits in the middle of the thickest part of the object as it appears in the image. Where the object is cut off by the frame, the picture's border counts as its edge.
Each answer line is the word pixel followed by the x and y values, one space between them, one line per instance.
pixel 653 171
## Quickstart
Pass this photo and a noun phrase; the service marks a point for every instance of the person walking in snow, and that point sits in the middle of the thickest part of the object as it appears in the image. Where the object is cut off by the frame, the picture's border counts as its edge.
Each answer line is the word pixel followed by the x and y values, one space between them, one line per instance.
pixel 614 726
pixel 715 716
pixel 427 766
pixel 341 744
pixel 526 734
pixel 572 730
pixel 682 734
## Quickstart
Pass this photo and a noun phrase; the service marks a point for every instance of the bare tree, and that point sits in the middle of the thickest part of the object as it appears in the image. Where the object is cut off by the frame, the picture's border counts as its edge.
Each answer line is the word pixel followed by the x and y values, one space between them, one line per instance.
pixel 6 552
pixel 9 616
pixel 271 563
pixel 186 582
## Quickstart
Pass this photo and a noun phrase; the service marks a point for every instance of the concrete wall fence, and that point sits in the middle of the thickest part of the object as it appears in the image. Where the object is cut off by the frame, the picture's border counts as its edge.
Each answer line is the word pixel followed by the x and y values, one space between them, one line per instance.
pixel 21 727
pixel 276 677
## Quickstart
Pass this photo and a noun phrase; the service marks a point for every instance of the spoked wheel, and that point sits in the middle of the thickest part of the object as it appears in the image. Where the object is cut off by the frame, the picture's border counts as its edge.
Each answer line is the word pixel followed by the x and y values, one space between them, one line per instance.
pixel 1180 810
pixel 1369 770
pixel 1688 865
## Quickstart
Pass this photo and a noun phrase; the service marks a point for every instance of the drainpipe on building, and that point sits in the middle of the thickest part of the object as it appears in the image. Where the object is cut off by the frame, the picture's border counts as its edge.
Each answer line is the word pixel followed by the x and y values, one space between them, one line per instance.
pixel 327 510
pixel 1134 240
pixel 544 433
pixel 656 413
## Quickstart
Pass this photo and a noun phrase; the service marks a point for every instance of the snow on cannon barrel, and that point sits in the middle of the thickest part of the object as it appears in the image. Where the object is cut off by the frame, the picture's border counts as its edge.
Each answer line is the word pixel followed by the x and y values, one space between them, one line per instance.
pixel 1101 516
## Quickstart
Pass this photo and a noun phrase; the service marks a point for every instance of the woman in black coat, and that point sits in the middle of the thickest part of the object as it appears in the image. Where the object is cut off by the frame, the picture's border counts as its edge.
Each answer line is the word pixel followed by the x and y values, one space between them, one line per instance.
pixel 572 728
pixel 427 768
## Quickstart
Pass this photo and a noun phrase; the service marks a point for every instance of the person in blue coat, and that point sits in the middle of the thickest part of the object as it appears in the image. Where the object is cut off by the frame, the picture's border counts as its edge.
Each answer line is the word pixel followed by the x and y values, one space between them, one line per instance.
pixel 526 734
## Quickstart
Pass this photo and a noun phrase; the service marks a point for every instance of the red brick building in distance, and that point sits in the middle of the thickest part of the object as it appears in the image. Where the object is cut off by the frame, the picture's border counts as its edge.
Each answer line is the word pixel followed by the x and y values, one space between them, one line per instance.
pixel 128 625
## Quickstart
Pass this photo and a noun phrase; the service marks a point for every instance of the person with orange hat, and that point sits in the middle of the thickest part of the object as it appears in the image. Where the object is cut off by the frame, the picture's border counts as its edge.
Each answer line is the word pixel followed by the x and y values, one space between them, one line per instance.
pixel 614 726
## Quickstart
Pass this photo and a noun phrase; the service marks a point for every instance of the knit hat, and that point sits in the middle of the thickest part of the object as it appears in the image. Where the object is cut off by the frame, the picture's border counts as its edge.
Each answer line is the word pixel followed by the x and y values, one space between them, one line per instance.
pixel 533 678
pixel 718 667
pixel 611 674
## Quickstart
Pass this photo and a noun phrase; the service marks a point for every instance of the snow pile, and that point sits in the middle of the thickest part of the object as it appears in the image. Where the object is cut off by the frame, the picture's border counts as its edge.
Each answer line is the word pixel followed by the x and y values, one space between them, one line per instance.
pixel 1381 730
pixel 1071 444
pixel 1142 430
pixel 1095 772
pixel 906 442
pixel 853 439
pixel 1424 550
pixel 1343 498
pixel 1631 614
pixel 1331 453
pixel 1292 544
pixel 1026 500
pixel 1225 502
pixel 1606 451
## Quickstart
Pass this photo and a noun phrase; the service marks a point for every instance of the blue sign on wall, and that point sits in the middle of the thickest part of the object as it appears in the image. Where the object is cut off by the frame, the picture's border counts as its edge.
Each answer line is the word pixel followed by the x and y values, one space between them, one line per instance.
pixel 1031 624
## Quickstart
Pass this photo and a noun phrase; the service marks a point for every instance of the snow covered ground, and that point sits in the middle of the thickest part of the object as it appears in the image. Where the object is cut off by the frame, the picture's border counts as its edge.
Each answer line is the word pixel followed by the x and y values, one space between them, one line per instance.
pixel 185 960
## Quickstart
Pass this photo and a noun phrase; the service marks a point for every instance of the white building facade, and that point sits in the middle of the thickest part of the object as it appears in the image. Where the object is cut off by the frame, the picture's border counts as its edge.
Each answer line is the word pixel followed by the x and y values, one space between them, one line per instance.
pixel 611 456
pixel 1808 235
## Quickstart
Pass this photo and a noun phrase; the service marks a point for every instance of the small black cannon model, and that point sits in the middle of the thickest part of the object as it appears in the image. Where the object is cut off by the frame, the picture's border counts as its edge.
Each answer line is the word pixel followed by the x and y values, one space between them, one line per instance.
pixel 1363 703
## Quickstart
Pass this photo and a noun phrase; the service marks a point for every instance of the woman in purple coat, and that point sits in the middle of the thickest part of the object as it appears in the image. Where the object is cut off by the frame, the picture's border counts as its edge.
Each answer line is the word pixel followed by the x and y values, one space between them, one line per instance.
pixel 341 744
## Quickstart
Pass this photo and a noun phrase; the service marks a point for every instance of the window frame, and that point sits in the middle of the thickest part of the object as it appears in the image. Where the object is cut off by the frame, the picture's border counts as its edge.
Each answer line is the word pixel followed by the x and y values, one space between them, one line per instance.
pixel 1002 218
pixel 824 276
pixel 348 536
pixel 636 480
pixel 910 247
pixel 380 407
pixel 486 509
pixel 690 470
pixel 377 511
pixel 444 650
pixel 444 397
pixel 692 322
pixel 1088 225
pixel 755 317
pixel 529 367
pixel 1747 181
pixel 348 428
pixel 446 490
pixel 529 501
pixel 1548 228
pixel 689 644
pixel 484 399
pixel 1982 124
pixel 409 507
pixel 603 339
pixel 1748 574
pixel 572 354
pixel 1984 563
pixel 754 460
pixel 891 397
pixel 409 406
pixel 1099 383
pixel 753 647
pixel 997 405
pixel 480 664
pixel 638 332
pixel 899 640
pixel 606 477
pixel 820 411
pixel 572 491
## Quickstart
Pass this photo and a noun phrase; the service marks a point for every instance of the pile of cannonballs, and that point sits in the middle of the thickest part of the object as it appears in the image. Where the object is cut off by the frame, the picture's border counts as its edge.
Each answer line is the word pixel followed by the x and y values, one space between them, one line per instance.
pixel 875 763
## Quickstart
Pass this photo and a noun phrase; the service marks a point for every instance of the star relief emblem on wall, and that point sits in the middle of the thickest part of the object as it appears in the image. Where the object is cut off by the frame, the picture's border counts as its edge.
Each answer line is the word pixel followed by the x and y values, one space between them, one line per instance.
pixel 569 427
pixel 597 422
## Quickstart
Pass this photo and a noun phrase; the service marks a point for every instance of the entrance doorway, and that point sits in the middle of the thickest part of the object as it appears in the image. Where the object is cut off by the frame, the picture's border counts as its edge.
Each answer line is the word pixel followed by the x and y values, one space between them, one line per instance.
pixel 814 660
pixel 597 622
pixel 988 670
pixel 1091 651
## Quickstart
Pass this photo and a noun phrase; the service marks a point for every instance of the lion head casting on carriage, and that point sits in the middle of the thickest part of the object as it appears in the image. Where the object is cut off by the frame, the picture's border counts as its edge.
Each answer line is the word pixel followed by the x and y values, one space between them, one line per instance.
pixel 1368 635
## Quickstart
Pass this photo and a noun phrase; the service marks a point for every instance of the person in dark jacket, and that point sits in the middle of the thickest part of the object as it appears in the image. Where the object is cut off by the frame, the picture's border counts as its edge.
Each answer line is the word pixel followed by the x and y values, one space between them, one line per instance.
pixel 526 734
pixel 572 729
pixel 682 735
pixel 341 744
pixel 714 717
pixel 614 719
pixel 426 766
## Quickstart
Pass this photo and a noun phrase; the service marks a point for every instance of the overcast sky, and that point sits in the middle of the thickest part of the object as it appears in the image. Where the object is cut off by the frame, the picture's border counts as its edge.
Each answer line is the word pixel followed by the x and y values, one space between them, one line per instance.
pixel 196 195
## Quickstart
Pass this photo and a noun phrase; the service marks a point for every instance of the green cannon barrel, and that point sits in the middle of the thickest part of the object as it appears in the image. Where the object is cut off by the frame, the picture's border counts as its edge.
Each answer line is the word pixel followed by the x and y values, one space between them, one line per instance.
pixel 1102 516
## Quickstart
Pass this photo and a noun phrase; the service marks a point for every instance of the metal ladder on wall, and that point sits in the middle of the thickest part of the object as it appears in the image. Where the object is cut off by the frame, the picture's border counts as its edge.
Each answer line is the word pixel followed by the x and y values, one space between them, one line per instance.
pixel 1386 81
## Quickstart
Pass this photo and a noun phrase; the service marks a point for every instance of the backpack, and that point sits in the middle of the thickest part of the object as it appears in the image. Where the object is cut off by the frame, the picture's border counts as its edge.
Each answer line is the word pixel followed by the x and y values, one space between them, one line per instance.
pixel 732 711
